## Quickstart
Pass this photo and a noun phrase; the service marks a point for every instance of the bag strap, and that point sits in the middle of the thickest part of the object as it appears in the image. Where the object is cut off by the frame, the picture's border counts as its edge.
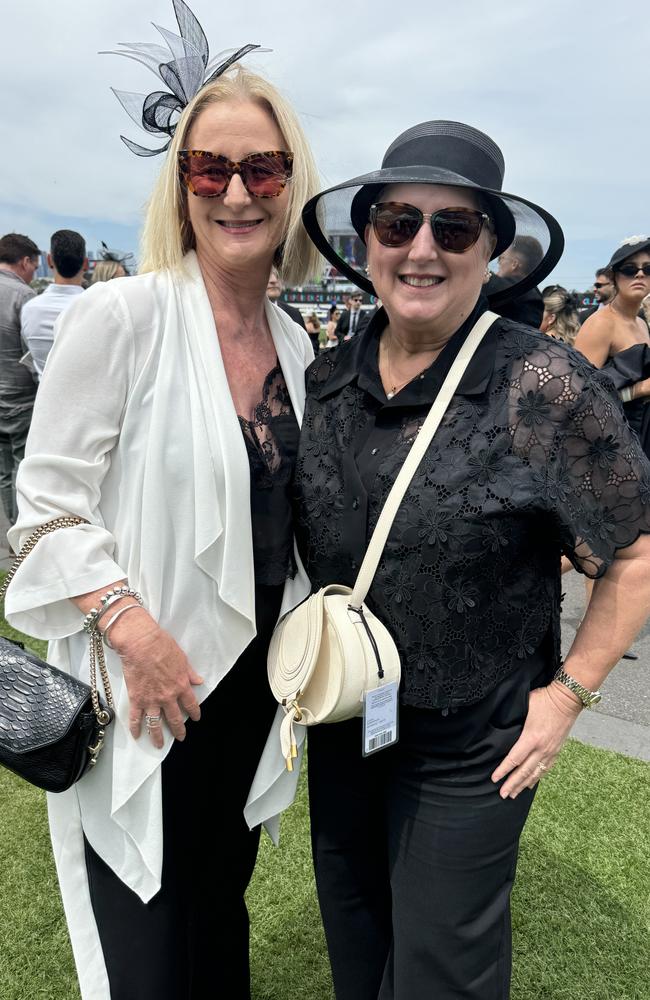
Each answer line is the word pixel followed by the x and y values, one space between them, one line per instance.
pixel 67 521
pixel 416 454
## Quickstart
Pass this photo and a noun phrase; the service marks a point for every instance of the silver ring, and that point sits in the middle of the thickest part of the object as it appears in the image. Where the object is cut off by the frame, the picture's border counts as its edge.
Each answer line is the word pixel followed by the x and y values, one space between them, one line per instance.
pixel 542 766
pixel 153 721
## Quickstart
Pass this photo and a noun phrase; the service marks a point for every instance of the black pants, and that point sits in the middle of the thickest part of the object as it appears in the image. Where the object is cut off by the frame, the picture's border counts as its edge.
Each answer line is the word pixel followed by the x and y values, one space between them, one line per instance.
pixel 190 942
pixel 415 852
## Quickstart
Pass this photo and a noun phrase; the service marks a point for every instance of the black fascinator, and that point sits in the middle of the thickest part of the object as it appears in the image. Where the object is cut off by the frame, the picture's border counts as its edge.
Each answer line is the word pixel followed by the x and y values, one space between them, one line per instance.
pixel 185 73
pixel 118 256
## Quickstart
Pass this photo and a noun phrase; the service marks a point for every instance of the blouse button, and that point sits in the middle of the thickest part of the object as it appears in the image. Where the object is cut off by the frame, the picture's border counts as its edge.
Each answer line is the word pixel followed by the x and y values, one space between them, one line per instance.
pixel 355 503
pixel 374 451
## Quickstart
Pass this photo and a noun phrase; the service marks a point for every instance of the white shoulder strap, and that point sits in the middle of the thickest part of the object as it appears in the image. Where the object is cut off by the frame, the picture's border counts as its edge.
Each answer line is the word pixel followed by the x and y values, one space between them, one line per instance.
pixel 416 454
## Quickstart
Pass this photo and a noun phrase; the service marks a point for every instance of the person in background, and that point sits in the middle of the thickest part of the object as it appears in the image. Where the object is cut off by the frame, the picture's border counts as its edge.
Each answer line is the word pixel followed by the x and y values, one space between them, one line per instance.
pixel 313 327
pixel 19 259
pixel 645 309
pixel 67 258
pixel 106 270
pixel 521 258
pixel 603 291
pixel 274 290
pixel 169 420
pixel 352 320
pixel 560 319
pixel 332 321
pixel 617 340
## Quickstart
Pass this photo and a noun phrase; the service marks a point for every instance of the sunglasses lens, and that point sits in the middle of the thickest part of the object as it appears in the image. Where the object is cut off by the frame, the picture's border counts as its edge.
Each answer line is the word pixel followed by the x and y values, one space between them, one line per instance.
pixel 207 176
pixel 456 230
pixel 631 270
pixel 395 225
pixel 265 174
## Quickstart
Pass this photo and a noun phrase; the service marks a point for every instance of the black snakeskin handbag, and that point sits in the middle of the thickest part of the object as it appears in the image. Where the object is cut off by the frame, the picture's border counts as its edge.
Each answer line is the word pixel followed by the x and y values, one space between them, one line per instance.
pixel 52 726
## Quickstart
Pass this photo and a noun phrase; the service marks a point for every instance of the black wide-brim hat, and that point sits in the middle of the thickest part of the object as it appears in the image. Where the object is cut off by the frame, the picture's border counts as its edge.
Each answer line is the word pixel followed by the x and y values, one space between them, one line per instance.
pixel 629 246
pixel 444 153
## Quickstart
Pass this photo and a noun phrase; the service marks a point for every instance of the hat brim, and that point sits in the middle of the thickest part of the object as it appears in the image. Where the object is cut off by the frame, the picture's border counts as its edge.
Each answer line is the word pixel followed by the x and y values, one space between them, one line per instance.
pixel 513 217
pixel 627 250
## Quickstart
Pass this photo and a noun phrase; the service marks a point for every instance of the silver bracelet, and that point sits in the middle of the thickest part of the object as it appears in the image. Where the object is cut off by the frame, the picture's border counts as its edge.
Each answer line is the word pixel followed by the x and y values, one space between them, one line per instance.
pixel 626 394
pixel 110 597
pixel 111 622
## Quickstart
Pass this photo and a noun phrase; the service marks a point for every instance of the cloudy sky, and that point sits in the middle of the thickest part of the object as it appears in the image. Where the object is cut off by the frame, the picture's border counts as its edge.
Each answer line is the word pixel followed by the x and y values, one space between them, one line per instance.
pixel 561 85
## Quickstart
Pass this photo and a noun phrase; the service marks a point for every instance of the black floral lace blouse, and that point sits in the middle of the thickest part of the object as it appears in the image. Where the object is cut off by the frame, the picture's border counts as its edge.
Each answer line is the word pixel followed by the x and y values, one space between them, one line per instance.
pixel 271 443
pixel 532 459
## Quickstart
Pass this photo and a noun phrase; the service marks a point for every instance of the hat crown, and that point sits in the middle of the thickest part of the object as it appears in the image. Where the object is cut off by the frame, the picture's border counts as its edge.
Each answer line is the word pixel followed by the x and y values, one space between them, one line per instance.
pixel 450 146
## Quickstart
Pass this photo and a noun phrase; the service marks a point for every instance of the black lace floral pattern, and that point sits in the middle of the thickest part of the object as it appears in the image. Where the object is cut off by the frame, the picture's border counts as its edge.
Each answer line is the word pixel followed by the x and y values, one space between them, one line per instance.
pixel 271 443
pixel 532 459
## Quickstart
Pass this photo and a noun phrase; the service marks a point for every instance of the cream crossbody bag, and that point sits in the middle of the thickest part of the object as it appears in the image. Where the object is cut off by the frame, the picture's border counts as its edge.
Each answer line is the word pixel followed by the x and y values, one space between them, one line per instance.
pixel 326 653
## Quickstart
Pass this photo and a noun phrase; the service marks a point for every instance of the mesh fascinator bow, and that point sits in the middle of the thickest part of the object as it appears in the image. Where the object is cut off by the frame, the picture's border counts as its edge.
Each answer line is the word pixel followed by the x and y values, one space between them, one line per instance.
pixel 118 256
pixel 185 73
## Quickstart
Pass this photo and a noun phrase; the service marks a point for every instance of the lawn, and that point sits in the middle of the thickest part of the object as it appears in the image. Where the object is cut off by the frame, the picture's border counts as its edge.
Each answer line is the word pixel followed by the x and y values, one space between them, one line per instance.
pixel 581 910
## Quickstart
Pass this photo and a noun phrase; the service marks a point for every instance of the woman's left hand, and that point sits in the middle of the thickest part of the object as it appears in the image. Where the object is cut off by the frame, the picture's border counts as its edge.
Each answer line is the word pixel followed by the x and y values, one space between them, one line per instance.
pixel 550 717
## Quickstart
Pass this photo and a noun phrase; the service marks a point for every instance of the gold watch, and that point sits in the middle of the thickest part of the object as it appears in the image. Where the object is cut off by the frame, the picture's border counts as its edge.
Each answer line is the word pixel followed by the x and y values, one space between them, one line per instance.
pixel 588 698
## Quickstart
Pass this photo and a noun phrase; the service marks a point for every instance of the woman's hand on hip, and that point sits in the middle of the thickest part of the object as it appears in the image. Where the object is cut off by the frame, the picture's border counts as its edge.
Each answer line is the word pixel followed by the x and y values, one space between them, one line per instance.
pixel 158 677
pixel 551 714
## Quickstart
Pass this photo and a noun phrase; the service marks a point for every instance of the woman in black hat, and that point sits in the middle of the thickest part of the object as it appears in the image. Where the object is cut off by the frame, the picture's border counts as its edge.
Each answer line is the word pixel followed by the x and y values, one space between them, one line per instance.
pixel 616 338
pixel 415 847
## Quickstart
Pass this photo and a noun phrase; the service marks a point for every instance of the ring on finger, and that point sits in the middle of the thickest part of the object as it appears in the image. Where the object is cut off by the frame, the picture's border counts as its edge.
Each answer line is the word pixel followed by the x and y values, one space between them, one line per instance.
pixel 152 722
pixel 542 766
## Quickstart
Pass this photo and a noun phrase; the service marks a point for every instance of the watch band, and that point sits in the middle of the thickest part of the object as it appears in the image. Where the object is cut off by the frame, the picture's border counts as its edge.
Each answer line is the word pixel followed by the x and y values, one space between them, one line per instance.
pixel 587 697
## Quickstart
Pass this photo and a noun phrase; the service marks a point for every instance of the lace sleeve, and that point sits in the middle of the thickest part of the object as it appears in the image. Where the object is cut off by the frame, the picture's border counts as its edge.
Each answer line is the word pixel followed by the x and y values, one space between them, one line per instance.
pixel 593 474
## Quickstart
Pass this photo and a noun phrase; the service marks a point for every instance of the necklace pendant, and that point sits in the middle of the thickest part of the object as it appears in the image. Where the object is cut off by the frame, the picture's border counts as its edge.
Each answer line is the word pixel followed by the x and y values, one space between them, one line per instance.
pixel 389 395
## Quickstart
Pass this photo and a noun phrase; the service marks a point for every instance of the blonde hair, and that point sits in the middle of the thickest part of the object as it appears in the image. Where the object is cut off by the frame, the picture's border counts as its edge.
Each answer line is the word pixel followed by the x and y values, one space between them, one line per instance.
pixel 562 305
pixel 105 270
pixel 645 305
pixel 168 235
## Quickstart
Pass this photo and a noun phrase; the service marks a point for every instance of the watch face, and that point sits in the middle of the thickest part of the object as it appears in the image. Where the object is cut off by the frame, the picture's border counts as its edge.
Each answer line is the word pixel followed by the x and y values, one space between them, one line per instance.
pixel 594 699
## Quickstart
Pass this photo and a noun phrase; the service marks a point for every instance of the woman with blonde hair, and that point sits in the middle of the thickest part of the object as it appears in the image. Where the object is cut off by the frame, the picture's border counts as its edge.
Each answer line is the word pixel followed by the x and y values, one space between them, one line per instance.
pixel 184 391
pixel 106 270
pixel 560 319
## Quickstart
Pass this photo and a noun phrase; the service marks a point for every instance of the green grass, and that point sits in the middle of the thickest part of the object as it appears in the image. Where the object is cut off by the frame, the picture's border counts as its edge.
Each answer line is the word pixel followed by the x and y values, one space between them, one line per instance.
pixel 581 911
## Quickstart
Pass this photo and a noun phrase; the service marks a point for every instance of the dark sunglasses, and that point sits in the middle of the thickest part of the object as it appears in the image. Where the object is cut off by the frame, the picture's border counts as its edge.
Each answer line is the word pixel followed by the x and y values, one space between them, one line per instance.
pixel 601 284
pixel 454 229
pixel 631 270
pixel 207 175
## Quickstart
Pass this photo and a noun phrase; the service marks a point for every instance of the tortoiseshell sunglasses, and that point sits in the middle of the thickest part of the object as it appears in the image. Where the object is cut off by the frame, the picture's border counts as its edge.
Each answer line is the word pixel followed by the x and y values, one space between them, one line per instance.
pixel 207 175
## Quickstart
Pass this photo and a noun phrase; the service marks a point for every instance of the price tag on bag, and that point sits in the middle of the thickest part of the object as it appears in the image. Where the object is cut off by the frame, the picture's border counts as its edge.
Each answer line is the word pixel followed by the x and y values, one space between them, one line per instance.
pixel 380 718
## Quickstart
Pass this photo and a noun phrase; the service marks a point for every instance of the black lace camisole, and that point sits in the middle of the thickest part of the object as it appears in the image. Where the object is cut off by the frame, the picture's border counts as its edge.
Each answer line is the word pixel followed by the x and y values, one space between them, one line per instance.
pixel 272 444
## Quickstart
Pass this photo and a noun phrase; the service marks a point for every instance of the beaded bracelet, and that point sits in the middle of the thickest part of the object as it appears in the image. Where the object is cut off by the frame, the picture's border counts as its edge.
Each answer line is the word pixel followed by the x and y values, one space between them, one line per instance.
pixel 110 597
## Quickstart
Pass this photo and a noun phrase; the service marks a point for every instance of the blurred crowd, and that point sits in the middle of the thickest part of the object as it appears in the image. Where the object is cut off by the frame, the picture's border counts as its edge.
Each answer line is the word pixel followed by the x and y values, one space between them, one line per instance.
pixel 28 318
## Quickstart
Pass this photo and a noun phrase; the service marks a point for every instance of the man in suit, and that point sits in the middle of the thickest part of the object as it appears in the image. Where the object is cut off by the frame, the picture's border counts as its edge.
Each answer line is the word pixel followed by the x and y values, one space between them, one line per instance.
pixel 515 263
pixel 352 320
pixel 19 259
pixel 603 293
pixel 274 290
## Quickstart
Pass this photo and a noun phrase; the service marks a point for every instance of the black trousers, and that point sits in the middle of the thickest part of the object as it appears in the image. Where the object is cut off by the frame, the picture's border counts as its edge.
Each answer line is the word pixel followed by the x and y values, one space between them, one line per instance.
pixel 191 941
pixel 415 852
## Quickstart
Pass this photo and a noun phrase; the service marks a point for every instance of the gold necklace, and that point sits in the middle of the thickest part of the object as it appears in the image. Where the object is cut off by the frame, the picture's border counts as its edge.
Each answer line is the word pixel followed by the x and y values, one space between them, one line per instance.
pixel 398 386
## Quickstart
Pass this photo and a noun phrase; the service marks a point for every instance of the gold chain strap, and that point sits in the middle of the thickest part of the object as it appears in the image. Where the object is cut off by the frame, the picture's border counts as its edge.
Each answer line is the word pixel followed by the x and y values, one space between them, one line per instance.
pixel 68 521
pixel 97 658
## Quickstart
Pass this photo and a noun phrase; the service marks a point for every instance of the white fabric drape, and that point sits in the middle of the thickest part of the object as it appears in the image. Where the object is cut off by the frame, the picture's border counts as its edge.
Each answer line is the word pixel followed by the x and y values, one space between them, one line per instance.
pixel 135 429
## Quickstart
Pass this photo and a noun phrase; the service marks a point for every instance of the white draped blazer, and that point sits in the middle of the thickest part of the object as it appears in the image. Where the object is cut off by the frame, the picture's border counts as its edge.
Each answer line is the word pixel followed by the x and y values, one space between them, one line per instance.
pixel 135 430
